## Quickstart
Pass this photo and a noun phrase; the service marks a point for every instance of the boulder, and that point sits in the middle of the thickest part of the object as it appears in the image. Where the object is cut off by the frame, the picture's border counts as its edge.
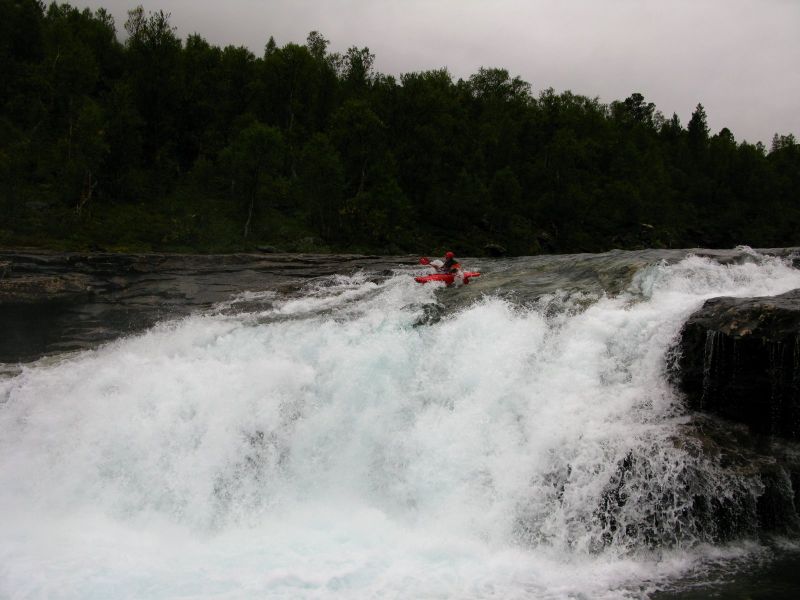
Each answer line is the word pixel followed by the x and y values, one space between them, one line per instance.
pixel 739 358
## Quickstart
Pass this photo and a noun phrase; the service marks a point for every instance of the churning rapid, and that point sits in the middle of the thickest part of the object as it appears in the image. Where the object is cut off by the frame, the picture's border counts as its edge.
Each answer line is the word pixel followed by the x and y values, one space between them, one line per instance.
pixel 371 437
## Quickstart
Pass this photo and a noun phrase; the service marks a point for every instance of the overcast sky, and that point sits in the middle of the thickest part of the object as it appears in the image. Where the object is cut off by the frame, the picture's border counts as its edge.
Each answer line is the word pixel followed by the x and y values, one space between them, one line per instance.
pixel 739 58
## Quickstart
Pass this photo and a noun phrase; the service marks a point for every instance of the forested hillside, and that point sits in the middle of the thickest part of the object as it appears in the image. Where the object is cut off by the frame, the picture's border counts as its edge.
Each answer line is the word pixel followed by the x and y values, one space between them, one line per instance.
pixel 133 139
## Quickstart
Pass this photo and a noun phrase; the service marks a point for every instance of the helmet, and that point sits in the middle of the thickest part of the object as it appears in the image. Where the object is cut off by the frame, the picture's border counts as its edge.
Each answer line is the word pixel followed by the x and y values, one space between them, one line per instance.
pixel 449 255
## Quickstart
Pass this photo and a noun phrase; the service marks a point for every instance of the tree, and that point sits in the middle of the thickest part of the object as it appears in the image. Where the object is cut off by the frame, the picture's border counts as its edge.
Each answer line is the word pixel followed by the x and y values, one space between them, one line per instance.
pixel 200 128
pixel 426 127
pixel 317 45
pixel 302 138
pixel 505 193
pixel 635 109
pixel 154 72
pixel 236 77
pixel 359 136
pixel 357 66
pixel 85 60
pixel 321 184
pixel 253 163
pixel 779 142
pixel 497 84
pixel 698 129
pixel 21 48
pixel 270 47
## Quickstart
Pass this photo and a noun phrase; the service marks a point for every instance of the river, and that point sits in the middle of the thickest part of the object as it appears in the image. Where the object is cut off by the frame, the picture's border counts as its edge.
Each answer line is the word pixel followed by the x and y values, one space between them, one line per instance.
pixel 350 433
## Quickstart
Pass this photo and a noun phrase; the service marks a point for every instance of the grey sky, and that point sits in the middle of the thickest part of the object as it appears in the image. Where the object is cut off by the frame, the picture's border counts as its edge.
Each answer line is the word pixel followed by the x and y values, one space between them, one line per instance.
pixel 739 58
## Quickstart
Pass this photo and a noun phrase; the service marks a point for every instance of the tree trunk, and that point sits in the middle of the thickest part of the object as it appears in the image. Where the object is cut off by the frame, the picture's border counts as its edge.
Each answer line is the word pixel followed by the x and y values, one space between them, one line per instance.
pixel 86 193
pixel 253 194
pixel 249 215
pixel 363 177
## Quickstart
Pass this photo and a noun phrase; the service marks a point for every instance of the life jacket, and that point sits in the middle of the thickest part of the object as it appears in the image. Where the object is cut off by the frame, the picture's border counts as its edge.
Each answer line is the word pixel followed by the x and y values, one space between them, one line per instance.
pixel 450 265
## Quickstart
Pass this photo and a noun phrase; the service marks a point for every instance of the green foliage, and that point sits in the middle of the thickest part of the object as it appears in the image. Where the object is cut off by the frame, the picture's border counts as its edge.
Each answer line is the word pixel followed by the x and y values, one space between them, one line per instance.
pixel 321 187
pixel 252 163
pixel 163 144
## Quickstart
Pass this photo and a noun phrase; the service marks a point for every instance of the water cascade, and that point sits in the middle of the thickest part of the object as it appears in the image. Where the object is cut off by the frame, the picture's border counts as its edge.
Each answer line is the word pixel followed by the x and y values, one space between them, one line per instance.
pixel 371 437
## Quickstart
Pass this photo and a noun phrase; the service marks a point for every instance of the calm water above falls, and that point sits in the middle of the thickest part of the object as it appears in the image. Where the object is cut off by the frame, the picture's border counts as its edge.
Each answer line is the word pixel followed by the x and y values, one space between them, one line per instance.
pixel 363 436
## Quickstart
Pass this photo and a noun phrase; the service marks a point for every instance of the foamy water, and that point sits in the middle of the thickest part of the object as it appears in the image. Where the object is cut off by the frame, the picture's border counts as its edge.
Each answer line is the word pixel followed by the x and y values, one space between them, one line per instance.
pixel 332 445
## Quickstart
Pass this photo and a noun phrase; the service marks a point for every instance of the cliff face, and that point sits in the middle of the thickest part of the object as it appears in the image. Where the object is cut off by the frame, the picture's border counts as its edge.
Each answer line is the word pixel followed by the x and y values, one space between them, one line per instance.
pixel 740 359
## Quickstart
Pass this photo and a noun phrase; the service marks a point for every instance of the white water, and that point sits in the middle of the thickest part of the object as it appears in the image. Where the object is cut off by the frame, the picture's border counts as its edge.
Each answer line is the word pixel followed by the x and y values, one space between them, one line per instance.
pixel 330 448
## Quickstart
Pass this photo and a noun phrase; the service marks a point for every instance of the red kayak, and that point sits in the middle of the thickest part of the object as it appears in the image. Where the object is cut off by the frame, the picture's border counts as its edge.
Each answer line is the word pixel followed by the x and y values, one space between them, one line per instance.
pixel 446 277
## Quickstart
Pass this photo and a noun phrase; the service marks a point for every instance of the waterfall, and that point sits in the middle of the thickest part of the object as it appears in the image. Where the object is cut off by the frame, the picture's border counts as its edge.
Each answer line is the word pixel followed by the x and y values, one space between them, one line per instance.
pixel 338 442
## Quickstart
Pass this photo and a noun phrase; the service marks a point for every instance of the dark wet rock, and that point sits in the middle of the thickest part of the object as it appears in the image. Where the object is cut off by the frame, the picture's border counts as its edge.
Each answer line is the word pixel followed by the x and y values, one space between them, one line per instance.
pixel 740 359
pixel 740 485
pixel 546 241
pixel 739 368
pixel 764 469
pixel 44 288
pixel 494 250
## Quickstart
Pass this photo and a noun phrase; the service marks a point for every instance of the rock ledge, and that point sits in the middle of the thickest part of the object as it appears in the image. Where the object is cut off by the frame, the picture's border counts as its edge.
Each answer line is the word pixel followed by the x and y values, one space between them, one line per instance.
pixel 740 359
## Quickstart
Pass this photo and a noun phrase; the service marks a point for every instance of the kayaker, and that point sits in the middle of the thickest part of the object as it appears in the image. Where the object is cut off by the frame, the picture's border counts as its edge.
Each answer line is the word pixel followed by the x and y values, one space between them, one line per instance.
pixel 448 271
pixel 450 265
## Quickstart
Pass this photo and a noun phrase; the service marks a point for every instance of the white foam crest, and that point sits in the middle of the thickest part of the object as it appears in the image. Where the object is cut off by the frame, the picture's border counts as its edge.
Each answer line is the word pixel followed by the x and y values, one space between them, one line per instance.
pixel 246 297
pixel 347 295
pixel 703 277
pixel 352 453
pixel 252 296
